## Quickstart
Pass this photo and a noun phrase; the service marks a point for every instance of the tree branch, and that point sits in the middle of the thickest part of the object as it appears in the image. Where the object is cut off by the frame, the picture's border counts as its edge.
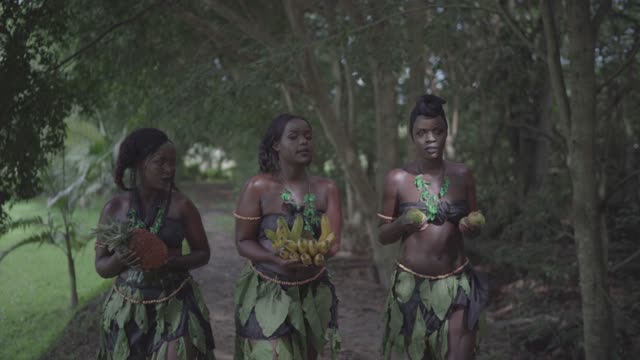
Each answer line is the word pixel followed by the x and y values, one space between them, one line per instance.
pixel 553 62
pixel 250 29
pixel 603 10
pixel 622 68
pixel 625 261
pixel 560 142
pixel 618 186
pixel 112 28
pixel 504 13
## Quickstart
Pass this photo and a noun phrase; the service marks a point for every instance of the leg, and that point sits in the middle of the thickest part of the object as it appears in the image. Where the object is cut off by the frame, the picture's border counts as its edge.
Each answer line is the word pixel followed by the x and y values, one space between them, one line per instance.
pixel 190 350
pixel 274 344
pixel 462 341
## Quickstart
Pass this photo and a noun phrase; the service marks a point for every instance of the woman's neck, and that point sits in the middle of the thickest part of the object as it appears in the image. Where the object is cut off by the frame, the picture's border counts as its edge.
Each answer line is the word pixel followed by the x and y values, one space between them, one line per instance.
pixel 430 166
pixel 146 196
pixel 293 174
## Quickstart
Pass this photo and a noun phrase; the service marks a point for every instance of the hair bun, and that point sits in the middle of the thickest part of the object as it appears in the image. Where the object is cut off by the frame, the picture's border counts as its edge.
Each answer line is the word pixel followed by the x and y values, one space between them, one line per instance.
pixel 430 99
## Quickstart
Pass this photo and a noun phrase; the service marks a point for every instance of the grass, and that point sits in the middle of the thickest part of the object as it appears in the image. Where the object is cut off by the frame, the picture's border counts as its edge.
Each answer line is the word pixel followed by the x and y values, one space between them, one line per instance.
pixel 34 300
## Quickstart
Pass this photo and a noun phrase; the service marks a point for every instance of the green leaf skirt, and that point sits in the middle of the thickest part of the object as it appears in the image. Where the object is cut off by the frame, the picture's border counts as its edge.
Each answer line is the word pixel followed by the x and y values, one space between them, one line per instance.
pixel 173 310
pixel 418 309
pixel 295 317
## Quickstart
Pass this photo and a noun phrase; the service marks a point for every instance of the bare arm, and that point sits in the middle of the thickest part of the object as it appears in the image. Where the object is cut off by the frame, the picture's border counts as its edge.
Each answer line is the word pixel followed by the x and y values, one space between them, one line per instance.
pixel 197 239
pixel 467 229
pixel 247 230
pixel 334 212
pixel 392 230
pixel 109 263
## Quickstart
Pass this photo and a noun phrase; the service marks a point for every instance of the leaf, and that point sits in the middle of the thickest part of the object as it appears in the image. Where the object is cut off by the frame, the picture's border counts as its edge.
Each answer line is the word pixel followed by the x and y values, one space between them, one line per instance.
pixel 441 297
pixel 417 346
pixel 444 337
pixel 272 307
pixel 335 342
pixel 465 285
pixel 247 291
pixel 202 306
pixel 123 315
pixel 121 349
pixel 296 316
pixel 311 314
pixel 181 348
pixel 394 326
pixel 173 313
pixel 404 286
pixel 261 350
pixel 425 294
pixel 161 354
pixel 140 316
pixel 197 335
pixel 284 350
pixel 324 299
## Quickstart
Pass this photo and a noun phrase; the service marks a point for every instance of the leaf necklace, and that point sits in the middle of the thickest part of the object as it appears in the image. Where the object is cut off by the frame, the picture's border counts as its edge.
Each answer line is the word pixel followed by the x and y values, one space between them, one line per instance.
pixel 430 200
pixel 309 212
pixel 136 223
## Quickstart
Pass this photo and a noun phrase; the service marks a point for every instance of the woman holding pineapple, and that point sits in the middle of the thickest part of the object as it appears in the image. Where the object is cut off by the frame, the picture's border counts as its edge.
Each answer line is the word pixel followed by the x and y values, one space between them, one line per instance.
pixel 435 300
pixel 288 223
pixel 154 309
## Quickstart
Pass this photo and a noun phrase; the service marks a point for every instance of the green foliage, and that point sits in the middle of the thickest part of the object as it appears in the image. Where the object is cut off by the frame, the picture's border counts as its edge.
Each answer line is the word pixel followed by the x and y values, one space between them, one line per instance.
pixel 34 307
pixel 33 97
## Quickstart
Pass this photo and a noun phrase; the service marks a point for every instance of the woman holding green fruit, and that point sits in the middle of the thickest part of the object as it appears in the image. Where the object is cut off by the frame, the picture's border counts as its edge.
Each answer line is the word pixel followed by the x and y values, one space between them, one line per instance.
pixel 436 297
pixel 288 223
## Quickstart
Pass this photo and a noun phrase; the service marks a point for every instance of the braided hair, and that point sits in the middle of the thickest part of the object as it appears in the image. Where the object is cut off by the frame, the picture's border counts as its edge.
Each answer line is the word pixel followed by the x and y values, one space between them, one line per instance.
pixel 136 147
pixel 267 155
pixel 429 106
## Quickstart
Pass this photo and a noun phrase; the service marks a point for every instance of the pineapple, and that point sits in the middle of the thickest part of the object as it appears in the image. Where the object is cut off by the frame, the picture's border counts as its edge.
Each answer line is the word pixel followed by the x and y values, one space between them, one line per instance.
pixel 151 250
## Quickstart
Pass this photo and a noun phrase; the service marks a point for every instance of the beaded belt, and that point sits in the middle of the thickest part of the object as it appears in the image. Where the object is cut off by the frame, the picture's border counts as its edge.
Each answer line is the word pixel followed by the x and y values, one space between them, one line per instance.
pixel 287 283
pixel 153 301
pixel 435 277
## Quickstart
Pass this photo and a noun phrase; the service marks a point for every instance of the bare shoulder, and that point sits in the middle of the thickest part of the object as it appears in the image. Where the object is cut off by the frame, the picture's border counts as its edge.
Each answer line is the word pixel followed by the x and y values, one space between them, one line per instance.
pixel 116 207
pixel 323 182
pixel 460 170
pixel 457 168
pixel 399 176
pixel 260 183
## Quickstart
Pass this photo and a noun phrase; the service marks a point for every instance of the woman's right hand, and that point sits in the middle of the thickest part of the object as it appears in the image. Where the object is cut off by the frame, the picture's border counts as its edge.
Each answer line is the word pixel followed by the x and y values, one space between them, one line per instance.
pixel 409 226
pixel 129 259
pixel 288 263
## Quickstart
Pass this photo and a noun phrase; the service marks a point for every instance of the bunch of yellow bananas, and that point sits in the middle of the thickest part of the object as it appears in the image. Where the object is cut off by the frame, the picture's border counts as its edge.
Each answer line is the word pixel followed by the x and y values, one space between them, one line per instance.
pixel 292 244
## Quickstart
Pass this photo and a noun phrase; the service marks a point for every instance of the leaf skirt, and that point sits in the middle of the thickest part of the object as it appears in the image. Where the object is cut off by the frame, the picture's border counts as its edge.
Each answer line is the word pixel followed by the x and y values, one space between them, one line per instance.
pixel 146 311
pixel 417 311
pixel 295 316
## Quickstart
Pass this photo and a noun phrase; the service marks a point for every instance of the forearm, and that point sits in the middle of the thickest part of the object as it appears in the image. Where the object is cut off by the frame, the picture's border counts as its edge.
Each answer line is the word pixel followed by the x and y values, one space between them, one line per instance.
pixel 390 232
pixel 194 259
pixel 252 250
pixel 109 266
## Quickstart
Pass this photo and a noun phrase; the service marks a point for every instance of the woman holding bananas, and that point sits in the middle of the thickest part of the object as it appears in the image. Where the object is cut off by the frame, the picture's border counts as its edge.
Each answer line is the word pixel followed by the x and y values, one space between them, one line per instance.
pixel 288 224
pixel 436 297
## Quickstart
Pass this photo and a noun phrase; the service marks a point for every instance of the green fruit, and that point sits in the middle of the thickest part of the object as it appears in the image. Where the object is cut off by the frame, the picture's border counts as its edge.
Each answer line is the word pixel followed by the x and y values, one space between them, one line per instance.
pixel 476 218
pixel 415 216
